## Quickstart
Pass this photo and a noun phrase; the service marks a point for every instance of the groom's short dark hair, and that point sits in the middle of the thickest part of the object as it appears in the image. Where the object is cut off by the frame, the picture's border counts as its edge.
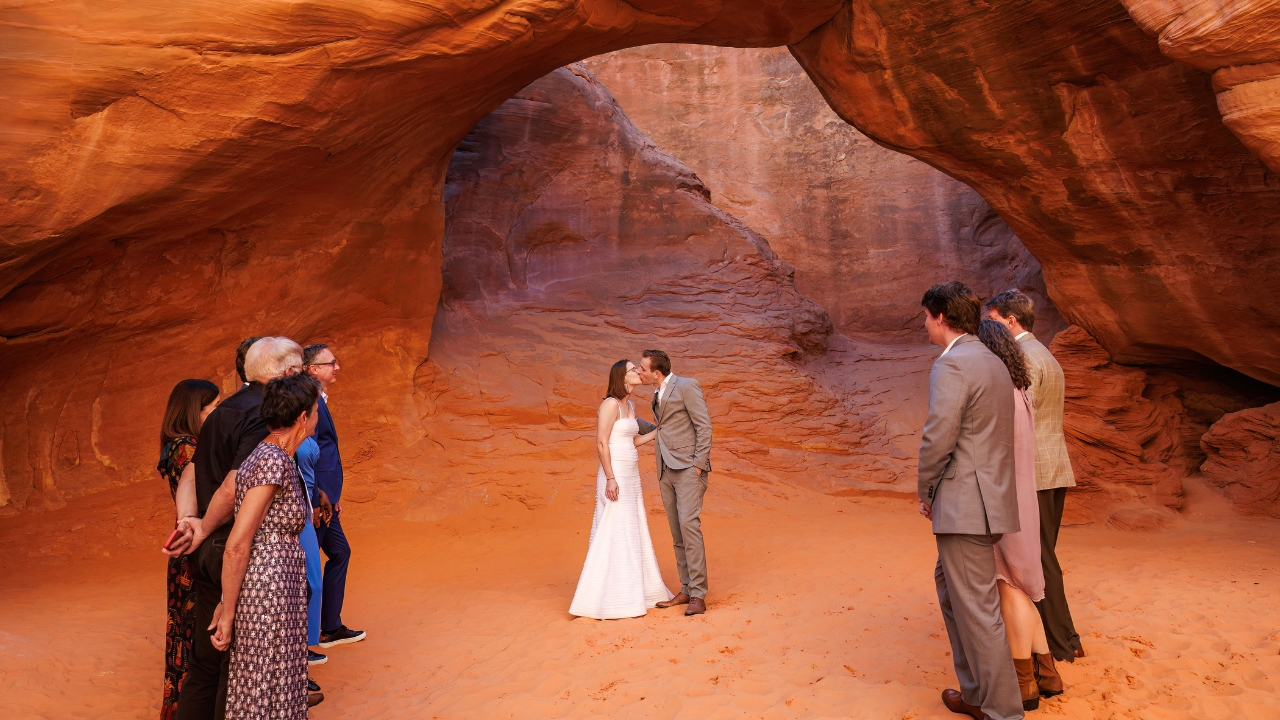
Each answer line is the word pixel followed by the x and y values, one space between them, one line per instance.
pixel 658 360
pixel 956 303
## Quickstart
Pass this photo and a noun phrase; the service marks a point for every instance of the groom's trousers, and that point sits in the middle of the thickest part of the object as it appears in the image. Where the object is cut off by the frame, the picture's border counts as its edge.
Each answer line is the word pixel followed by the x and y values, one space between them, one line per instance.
pixel 970 602
pixel 682 492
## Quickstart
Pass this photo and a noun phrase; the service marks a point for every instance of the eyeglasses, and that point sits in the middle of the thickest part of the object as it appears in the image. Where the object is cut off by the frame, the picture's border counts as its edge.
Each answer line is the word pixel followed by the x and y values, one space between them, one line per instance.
pixel 333 362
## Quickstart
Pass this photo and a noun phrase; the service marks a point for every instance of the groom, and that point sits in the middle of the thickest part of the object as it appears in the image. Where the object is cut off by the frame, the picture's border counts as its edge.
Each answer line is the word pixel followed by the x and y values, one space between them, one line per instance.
pixel 684 462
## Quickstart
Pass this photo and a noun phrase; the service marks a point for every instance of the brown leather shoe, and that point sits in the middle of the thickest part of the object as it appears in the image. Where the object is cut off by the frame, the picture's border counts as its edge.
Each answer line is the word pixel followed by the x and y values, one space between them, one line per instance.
pixel 314 699
pixel 679 599
pixel 1047 676
pixel 697 606
pixel 1026 668
pixel 956 704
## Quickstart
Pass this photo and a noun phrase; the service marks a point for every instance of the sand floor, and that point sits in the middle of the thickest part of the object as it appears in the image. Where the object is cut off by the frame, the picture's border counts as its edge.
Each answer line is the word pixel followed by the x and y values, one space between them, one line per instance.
pixel 820 607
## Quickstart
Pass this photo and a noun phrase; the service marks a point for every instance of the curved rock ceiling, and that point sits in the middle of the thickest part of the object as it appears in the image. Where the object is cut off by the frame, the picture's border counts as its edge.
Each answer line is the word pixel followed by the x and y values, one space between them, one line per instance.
pixel 175 176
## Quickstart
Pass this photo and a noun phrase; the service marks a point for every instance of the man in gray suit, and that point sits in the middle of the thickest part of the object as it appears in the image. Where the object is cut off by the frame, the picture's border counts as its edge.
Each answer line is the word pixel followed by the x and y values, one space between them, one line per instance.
pixel 684 463
pixel 966 487
pixel 1053 467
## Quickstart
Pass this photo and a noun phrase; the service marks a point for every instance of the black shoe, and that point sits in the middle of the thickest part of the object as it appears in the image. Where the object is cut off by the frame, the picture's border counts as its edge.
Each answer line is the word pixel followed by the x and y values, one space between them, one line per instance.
pixel 312 685
pixel 340 636
pixel 315 658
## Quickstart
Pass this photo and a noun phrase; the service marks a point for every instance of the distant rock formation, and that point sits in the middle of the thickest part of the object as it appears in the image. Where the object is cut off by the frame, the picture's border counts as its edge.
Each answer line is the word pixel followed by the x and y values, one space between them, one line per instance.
pixel 868 229
pixel 1243 458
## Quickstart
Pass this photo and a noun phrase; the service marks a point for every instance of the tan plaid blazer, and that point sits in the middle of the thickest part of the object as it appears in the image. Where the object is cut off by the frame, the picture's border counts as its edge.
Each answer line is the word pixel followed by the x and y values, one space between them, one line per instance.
pixel 1048 390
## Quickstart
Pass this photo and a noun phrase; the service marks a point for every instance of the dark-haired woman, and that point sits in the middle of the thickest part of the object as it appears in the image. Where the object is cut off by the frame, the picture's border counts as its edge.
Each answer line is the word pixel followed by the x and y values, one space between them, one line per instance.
pixel 263 618
pixel 620 577
pixel 190 403
pixel 1020 576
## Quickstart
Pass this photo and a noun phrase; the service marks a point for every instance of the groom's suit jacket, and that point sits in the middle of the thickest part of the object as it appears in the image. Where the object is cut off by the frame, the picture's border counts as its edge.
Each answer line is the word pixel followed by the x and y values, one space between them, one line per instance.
pixel 966 452
pixel 684 426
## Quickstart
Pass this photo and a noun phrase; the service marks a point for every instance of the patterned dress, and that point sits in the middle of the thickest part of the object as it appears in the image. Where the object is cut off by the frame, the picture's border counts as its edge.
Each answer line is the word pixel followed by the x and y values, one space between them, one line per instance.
pixel 268 674
pixel 174 457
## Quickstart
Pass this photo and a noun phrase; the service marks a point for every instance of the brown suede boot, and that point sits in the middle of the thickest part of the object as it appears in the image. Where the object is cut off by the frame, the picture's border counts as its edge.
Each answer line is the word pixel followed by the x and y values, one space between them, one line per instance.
pixel 1047 676
pixel 1027 683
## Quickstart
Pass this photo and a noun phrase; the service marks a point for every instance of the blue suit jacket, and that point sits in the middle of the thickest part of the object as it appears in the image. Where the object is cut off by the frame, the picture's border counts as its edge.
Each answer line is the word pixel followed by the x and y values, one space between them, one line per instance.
pixel 329 466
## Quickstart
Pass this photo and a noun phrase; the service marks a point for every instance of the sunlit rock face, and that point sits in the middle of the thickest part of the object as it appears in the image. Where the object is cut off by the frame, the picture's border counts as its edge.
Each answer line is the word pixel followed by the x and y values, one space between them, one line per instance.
pixel 1154 226
pixel 868 229
pixel 1239 42
pixel 573 241
pixel 1135 434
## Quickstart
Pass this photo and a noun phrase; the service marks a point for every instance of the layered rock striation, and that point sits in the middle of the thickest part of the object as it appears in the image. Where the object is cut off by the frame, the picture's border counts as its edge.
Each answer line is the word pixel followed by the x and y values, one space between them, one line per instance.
pixel 866 228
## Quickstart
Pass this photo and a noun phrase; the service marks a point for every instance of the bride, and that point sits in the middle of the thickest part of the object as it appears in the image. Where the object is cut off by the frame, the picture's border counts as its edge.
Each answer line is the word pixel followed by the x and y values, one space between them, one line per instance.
pixel 620 578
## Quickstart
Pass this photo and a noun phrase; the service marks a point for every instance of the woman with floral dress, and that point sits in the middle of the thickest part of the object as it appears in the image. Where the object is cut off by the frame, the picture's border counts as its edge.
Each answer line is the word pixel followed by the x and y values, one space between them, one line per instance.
pixel 189 404
pixel 263 616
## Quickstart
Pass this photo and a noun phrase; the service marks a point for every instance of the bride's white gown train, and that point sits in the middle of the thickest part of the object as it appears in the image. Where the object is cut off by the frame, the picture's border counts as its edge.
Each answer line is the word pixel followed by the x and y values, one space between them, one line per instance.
pixel 620 578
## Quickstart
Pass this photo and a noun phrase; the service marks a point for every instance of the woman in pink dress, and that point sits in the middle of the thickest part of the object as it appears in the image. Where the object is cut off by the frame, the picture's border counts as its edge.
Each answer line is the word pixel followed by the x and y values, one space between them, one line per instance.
pixel 1019 574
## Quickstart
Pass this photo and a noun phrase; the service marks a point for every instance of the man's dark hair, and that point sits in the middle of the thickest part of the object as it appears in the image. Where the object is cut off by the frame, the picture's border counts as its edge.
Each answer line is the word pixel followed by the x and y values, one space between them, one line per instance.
pixel 311 352
pixel 288 397
pixel 1014 304
pixel 956 303
pixel 618 380
pixel 241 351
pixel 658 360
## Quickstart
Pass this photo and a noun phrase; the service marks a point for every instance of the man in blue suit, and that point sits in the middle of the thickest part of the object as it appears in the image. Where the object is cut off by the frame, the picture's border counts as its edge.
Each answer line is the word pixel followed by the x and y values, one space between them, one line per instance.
pixel 319 360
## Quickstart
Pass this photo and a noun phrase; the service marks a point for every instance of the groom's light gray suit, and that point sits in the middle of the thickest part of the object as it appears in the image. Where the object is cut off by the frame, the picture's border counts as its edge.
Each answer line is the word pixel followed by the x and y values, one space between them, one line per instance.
pixel 684 463
pixel 966 474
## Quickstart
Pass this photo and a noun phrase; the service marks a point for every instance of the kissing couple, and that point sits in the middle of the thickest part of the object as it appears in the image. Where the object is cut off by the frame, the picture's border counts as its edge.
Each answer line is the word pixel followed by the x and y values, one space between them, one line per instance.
pixel 620 578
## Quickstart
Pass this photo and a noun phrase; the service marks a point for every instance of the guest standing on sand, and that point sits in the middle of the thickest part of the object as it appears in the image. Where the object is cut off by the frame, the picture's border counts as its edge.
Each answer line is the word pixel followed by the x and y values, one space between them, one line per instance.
pixel 230 433
pixel 319 360
pixel 264 577
pixel 1018 571
pixel 967 488
pixel 620 577
pixel 190 403
pixel 306 457
pixel 1053 467
pixel 684 466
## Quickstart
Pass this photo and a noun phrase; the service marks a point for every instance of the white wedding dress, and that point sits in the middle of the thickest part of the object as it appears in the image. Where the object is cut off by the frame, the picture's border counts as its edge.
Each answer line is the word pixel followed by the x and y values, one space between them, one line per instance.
pixel 620 578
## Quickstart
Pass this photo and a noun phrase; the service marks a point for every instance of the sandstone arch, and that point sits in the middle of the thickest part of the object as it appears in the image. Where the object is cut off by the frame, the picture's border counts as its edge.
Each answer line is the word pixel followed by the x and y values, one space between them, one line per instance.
pixel 163 166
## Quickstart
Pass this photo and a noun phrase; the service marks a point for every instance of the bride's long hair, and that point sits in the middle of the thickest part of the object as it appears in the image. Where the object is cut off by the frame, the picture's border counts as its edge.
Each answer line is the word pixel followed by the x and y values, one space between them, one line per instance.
pixel 618 381
pixel 1000 341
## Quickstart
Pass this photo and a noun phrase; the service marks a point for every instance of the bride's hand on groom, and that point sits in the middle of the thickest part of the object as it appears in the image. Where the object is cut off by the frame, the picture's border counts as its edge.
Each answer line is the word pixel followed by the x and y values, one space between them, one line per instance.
pixel 611 489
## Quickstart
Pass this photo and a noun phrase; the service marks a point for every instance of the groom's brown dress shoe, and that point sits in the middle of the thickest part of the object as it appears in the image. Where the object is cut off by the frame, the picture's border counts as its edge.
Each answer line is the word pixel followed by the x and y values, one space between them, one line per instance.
pixel 956 704
pixel 697 606
pixel 679 599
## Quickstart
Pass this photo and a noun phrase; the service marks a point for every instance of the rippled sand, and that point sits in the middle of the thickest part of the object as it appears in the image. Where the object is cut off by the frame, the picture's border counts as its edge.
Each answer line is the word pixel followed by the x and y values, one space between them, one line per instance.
pixel 819 607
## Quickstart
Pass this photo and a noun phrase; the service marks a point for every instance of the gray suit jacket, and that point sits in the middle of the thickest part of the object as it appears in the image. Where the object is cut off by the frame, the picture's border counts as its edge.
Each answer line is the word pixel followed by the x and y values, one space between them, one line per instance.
pixel 684 426
pixel 966 453
pixel 1048 395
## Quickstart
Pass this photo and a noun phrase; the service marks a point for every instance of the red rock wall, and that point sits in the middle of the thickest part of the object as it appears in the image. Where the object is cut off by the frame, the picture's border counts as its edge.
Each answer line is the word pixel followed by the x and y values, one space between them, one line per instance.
pixel 1108 159
pixel 1134 434
pixel 1243 458
pixel 571 242
pixel 867 229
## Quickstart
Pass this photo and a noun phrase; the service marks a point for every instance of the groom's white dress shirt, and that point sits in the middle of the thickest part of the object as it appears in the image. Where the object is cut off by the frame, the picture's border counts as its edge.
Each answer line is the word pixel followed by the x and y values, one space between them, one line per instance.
pixel 662 389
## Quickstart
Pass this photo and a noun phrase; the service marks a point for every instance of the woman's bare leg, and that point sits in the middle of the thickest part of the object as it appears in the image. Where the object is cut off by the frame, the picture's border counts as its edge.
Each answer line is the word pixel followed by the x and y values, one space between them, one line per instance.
pixel 1020 629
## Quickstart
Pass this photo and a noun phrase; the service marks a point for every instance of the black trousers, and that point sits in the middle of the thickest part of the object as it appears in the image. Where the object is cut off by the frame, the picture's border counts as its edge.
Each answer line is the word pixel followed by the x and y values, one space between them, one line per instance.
pixel 204 687
pixel 334 544
pixel 1054 612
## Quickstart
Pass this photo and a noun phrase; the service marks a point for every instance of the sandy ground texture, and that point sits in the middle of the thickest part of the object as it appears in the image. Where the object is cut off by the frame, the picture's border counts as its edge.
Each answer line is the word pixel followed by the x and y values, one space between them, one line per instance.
pixel 820 607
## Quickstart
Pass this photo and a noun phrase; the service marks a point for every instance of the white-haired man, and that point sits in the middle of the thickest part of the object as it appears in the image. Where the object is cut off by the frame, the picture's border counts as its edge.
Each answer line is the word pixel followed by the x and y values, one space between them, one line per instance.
pixel 227 437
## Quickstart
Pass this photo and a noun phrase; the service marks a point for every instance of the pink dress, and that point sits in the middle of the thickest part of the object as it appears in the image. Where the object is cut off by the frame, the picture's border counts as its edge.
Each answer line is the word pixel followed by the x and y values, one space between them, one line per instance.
pixel 1018 554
